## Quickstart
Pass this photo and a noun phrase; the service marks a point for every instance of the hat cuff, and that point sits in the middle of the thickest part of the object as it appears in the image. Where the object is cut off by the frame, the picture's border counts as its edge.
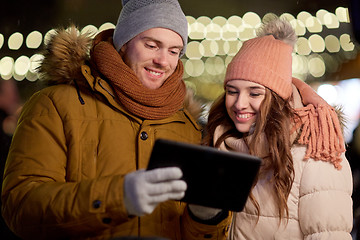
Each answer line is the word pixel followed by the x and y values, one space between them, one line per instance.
pixel 254 72
pixel 151 16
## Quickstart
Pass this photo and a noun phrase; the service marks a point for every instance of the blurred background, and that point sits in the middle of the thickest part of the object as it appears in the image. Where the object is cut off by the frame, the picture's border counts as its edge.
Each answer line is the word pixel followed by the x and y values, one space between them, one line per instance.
pixel 326 54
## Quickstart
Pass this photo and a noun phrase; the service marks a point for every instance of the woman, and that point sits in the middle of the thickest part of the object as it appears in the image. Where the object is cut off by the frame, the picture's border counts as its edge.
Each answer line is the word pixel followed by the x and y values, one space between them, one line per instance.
pixel 304 187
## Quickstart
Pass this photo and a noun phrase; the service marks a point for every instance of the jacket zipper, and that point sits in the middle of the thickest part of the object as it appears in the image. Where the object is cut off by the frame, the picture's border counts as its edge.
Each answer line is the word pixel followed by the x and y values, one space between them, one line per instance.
pixel 106 89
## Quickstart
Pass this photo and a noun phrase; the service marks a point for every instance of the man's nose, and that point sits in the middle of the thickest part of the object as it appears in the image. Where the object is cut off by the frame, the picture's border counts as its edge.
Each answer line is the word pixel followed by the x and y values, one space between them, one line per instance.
pixel 161 57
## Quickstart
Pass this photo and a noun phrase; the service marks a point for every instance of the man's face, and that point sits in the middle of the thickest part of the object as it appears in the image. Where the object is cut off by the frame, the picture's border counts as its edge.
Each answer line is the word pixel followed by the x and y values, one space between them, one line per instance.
pixel 153 55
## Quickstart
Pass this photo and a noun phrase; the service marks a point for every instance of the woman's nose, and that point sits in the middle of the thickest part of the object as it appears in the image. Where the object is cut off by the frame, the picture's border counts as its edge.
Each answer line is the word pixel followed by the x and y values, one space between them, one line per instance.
pixel 242 101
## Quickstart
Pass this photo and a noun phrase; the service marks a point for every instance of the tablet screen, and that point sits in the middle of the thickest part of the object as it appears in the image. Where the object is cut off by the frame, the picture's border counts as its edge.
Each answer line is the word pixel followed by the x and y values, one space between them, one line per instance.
pixel 214 178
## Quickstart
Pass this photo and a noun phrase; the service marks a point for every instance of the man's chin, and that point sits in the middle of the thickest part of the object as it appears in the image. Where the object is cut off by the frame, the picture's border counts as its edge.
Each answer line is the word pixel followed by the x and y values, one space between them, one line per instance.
pixel 153 83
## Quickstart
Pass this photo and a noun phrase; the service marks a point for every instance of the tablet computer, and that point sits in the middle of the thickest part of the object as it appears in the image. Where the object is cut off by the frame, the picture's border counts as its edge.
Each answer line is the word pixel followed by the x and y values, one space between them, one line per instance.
pixel 214 178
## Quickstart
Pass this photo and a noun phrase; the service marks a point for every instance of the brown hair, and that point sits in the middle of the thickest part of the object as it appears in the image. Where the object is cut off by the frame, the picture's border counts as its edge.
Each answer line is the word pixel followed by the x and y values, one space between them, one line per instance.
pixel 274 120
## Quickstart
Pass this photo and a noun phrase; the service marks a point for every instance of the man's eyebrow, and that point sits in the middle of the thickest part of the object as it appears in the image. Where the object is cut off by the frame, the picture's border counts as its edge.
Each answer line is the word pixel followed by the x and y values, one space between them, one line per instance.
pixel 146 38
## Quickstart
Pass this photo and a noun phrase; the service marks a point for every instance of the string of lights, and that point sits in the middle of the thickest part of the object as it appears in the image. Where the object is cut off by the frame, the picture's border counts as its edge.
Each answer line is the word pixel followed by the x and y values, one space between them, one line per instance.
pixel 213 43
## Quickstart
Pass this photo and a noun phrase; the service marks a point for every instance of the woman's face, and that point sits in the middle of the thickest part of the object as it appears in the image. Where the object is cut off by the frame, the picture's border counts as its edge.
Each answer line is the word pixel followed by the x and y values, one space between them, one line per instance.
pixel 242 101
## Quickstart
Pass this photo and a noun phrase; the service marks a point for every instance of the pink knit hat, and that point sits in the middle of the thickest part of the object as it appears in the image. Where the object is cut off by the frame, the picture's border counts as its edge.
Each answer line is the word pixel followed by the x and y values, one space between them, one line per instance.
pixel 266 61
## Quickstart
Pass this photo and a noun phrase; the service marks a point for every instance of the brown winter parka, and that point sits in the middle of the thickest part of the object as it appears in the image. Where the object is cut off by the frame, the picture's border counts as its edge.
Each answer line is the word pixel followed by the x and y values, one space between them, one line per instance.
pixel 71 150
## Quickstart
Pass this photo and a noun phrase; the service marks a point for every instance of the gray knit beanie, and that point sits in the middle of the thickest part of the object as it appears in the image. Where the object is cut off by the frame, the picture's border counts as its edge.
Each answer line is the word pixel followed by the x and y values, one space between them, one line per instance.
pixel 138 16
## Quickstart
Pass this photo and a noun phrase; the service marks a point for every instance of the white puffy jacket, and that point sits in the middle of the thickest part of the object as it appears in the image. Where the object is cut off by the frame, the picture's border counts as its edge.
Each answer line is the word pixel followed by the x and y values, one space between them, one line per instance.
pixel 320 205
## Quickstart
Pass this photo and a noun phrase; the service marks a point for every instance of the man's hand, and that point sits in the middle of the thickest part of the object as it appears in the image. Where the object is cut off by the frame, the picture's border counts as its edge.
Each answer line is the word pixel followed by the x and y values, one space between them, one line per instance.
pixel 144 190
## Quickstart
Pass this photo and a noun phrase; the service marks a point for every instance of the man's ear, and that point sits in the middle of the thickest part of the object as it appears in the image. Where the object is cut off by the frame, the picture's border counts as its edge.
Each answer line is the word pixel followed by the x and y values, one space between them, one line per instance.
pixel 123 50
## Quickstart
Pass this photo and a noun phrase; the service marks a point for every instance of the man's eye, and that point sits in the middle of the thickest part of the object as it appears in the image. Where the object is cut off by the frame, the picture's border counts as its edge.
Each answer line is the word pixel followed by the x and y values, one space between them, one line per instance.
pixel 175 52
pixel 150 46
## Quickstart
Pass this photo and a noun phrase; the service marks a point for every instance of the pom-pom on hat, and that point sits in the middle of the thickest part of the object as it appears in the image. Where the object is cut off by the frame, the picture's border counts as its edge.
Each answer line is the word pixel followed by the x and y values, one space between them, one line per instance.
pixel 266 59
pixel 138 16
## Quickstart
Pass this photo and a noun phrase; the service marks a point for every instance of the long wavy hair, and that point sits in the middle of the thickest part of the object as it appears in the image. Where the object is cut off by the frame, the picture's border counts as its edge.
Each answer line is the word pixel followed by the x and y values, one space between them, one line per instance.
pixel 274 120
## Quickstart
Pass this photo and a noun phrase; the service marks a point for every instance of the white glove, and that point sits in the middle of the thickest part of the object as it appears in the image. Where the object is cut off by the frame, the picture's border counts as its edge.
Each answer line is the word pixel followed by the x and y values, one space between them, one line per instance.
pixel 144 190
pixel 204 213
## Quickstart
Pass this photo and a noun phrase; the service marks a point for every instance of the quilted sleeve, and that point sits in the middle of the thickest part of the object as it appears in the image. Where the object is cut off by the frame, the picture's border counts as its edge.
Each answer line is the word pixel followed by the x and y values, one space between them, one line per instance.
pixel 325 205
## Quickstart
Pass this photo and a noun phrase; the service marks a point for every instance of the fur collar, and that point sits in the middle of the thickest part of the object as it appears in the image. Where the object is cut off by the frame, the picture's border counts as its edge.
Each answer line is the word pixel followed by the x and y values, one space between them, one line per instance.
pixel 64 54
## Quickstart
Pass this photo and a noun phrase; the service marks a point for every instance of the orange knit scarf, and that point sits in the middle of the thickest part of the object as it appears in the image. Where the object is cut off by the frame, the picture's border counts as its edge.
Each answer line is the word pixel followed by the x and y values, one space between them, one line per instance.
pixel 139 100
pixel 320 127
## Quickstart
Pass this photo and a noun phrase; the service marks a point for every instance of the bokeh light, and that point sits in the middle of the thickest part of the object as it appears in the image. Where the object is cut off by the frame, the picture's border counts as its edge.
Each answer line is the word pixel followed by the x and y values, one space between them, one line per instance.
pixel 252 19
pixel 22 65
pixel 346 43
pixel 1 40
pixel 106 26
pixel 194 67
pixel 195 50
pixel 211 48
pixel 328 93
pixel 90 29
pixel 213 31
pixel 15 41
pixel 303 46
pixel 6 67
pixel 197 31
pixel 331 21
pixel 316 43
pixel 316 66
pixel 34 39
pixel 332 43
pixel 342 14
pixel 215 66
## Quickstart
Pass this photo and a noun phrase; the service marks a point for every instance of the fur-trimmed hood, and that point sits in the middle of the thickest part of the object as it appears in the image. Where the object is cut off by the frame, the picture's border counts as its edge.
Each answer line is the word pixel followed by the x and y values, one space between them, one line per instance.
pixel 64 54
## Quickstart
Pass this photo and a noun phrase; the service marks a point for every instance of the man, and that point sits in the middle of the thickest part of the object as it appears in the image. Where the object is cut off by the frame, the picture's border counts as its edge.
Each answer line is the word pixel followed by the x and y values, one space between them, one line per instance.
pixel 75 169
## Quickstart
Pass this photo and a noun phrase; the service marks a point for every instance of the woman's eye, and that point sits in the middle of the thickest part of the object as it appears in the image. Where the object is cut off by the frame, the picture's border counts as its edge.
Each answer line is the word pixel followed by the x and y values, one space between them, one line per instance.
pixel 255 94
pixel 231 92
